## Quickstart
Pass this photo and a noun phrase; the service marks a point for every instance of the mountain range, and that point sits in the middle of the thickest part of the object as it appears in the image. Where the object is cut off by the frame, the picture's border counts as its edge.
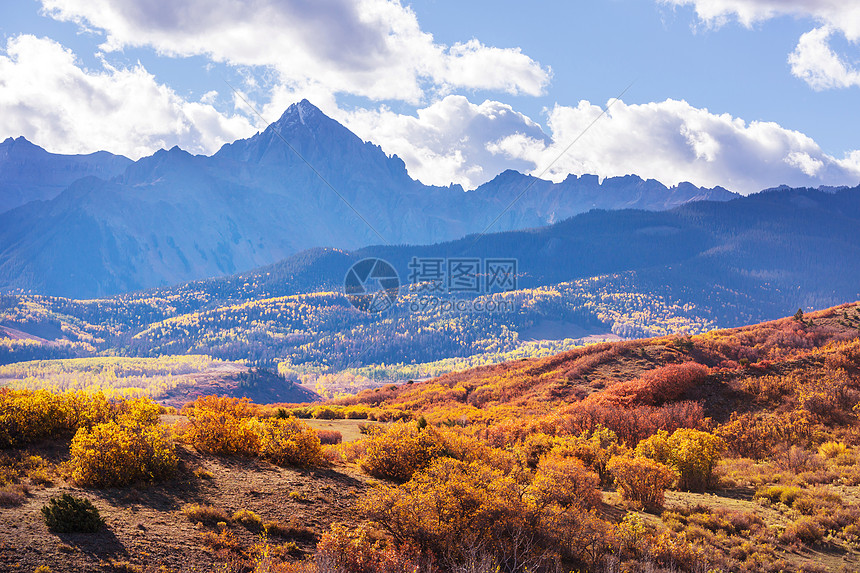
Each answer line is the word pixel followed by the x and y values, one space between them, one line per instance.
pixel 29 173
pixel 623 273
pixel 97 225
pixel 747 260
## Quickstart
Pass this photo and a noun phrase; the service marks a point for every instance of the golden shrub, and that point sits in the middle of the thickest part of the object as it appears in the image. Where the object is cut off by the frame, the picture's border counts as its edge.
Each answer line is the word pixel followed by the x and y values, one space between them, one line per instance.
pixel 205 514
pixel 139 411
pixel 249 519
pixel 832 449
pixel 288 442
pixel 327 413
pixel 692 453
pixel 112 454
pixel 222 426
pixel 27 416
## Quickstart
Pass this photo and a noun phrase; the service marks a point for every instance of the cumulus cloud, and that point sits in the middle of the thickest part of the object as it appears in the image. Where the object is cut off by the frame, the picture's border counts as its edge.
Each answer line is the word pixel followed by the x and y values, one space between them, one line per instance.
pixel 46 96
pixel 672 141
pixel 452 140
pixel 841 14
pixel 818 65
pixel 371 48
pixel 813 60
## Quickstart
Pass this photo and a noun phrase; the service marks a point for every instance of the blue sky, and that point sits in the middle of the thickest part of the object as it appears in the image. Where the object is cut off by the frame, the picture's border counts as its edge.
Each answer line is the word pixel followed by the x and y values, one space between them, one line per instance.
pixel 746 94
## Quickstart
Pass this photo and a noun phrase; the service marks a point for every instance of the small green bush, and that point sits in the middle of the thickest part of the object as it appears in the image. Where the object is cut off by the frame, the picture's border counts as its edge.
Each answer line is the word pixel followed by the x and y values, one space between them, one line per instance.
pixel 68 514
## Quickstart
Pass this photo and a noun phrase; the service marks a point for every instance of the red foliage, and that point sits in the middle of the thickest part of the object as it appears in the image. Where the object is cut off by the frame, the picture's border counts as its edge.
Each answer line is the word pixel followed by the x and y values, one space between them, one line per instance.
pixel 630 424
pixel 329 436
pixel 655 387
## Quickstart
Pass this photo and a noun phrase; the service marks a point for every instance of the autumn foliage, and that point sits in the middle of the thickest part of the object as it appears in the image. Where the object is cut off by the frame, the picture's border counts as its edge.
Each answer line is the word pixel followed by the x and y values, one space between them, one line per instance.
pixel 641 480
pixel 452 507
pixel 114 454
pixel 655 387
pixel 692 453
pixel 399 451
pixel 342 549
pixel 501 468
pixel 288 442
pixel 229 426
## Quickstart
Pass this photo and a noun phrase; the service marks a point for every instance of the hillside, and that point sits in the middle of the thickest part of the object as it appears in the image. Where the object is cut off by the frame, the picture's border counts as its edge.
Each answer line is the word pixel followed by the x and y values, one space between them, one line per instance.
pixel 624 373
pixel 734 450
pixel 171 380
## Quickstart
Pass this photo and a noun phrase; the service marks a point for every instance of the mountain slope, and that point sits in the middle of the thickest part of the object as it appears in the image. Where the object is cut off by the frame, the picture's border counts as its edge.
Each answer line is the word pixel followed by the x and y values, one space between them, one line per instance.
pixel 29 173
pixel 644 374
pixel 174 217
pixel 604 273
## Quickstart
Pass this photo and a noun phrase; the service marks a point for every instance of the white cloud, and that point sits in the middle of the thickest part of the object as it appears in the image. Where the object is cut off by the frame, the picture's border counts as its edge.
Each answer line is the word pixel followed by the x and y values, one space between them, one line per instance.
pixel 452 140
pixel 371 48
pixel 813 60
pixel 672 141
pixel 841 14
pixel 818 65
pixel 46 96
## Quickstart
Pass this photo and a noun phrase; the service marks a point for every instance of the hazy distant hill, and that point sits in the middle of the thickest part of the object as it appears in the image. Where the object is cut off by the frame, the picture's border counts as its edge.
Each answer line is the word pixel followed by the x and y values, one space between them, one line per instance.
pixel 770 252
pixel 174 217
pixel 29 173
pixel 627 273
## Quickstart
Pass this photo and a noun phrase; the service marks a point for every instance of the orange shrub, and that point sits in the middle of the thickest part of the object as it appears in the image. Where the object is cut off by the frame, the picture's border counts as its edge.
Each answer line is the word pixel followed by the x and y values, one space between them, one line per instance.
pixel 449 507
pixel 400 450
pixel 661 385
pixel 341 549
pixel 641 480
pixel 565 482
pixel 452 508
pixel 804 530
pixel 630 424
pixel 329 437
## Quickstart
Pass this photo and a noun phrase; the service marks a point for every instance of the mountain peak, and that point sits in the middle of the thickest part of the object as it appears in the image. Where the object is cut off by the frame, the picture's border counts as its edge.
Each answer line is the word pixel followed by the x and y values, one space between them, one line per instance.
pixel 19 141
pixel 303 112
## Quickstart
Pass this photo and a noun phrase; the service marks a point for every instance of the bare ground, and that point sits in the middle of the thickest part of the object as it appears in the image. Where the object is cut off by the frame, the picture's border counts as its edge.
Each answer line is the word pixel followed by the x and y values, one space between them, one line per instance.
pixel 147 531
